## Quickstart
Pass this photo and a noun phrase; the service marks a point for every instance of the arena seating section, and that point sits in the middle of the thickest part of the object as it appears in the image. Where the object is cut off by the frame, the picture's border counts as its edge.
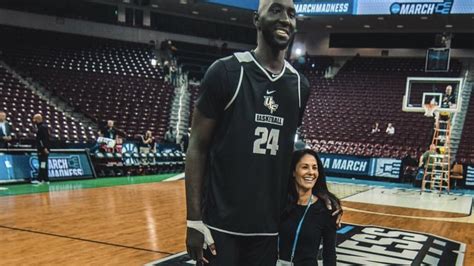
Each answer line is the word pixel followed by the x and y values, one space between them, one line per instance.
pixel 21 104
pixel 196 58
pixel 342 110
pixel 102 78
pixel 109 79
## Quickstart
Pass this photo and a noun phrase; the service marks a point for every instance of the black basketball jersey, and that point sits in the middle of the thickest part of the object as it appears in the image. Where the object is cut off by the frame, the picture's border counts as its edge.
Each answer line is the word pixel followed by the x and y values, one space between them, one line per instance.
pixel 257 115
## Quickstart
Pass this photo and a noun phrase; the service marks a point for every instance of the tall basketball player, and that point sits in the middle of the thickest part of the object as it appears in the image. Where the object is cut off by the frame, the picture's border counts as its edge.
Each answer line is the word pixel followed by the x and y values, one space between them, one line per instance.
pixel 240 147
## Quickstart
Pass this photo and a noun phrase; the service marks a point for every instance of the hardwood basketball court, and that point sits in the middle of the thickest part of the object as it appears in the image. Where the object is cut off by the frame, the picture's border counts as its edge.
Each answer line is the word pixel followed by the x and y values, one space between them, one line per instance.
pixel 139 223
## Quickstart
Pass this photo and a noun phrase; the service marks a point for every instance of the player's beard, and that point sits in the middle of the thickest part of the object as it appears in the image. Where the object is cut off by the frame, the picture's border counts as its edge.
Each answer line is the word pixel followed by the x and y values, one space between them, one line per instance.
pixel 273 41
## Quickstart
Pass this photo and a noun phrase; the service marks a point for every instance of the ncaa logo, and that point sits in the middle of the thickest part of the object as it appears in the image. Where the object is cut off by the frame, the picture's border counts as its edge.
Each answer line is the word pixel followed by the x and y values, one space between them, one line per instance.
pixel 34 166
pixel 270 104
pixel 395 8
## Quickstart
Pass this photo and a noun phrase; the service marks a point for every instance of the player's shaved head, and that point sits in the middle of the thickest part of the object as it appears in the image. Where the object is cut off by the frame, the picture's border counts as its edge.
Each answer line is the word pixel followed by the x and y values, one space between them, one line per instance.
pixel 262 4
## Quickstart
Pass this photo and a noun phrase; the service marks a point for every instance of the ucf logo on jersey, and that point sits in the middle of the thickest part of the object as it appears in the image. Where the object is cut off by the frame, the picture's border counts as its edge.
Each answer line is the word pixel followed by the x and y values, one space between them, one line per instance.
pixel 270 104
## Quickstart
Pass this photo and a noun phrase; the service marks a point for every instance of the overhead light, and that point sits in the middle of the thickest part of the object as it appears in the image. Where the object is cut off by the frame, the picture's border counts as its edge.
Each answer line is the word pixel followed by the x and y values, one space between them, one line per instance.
pixel 424 18
pixel 183 2
pixel 448 26
pixel 298 51
pixel 195 12
pixel 367 26
pixel 380 18
pixel 400 26
pixel 153 62
pixel 329 26
pixel 233 18
pixel 154 6
pixel 225 9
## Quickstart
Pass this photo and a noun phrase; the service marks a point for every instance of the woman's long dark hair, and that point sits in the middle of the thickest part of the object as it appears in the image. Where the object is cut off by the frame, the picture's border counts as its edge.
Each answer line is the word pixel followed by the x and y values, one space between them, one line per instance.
pixel 319 189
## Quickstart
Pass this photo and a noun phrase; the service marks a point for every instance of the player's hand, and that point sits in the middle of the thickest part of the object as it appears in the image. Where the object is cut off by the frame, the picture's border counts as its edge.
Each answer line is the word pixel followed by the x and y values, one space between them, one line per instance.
pixel 339 213
pixel 198 237
pixel 45 151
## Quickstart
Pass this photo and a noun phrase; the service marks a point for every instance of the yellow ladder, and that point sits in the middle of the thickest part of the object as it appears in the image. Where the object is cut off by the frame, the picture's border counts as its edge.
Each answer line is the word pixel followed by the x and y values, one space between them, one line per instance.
pixel 438 167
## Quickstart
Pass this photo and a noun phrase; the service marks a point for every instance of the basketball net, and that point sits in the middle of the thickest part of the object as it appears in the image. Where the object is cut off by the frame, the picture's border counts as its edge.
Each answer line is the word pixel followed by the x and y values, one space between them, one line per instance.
pixel 430 109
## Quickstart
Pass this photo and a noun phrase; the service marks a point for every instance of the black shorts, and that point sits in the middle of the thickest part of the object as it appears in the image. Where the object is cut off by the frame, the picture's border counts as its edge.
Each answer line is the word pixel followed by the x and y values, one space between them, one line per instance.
pixel 242 250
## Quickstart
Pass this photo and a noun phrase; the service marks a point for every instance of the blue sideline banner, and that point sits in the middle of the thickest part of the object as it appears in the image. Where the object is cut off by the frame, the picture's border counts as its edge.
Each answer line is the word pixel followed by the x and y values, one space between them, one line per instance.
pixel 62 165
pixel 360 166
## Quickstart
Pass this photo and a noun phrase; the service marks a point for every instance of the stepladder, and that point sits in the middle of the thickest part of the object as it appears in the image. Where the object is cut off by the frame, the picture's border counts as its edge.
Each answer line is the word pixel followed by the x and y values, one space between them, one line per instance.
pixel 437 168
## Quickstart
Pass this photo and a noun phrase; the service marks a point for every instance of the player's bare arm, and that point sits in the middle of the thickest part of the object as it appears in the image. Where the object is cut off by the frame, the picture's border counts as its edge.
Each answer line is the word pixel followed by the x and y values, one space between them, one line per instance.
pixel 196 159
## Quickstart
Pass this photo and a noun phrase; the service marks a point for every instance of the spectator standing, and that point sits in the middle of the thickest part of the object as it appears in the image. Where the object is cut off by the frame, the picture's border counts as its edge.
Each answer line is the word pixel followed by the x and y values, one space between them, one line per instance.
pixel 43 148
pixel 5 131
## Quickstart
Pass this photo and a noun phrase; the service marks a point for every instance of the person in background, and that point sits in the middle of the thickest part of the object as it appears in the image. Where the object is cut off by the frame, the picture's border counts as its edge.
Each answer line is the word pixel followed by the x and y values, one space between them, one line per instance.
pixel 306 220
pixel 5 131
pixel 109 131
pixel 448 102
pixel 148 142
pixel 185 140
pixel 375 128
pixel 174 74
pixel 426 163
pixel 43 148
pixel 390 129
pixel 170 136
pixel 449 99
pixel 408 168
pixel 166 70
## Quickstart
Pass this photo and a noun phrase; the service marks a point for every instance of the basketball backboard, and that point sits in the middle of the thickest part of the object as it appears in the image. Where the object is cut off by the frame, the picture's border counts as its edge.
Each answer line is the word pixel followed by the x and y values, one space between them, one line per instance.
pixel 445 93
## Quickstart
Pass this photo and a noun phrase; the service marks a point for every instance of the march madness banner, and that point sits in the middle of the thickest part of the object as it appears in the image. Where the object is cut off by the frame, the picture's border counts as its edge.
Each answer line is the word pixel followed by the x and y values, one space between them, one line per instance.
pixel 366 7
pixel 62 165
pixel 335 164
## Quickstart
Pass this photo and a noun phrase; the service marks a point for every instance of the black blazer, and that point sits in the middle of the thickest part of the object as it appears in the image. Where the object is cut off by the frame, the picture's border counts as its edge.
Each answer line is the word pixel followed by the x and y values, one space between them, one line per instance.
pixel 8 129
pixel 42 137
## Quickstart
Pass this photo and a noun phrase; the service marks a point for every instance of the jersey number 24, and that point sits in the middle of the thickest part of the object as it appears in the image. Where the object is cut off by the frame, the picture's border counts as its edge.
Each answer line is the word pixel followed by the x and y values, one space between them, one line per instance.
pixel 266 141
